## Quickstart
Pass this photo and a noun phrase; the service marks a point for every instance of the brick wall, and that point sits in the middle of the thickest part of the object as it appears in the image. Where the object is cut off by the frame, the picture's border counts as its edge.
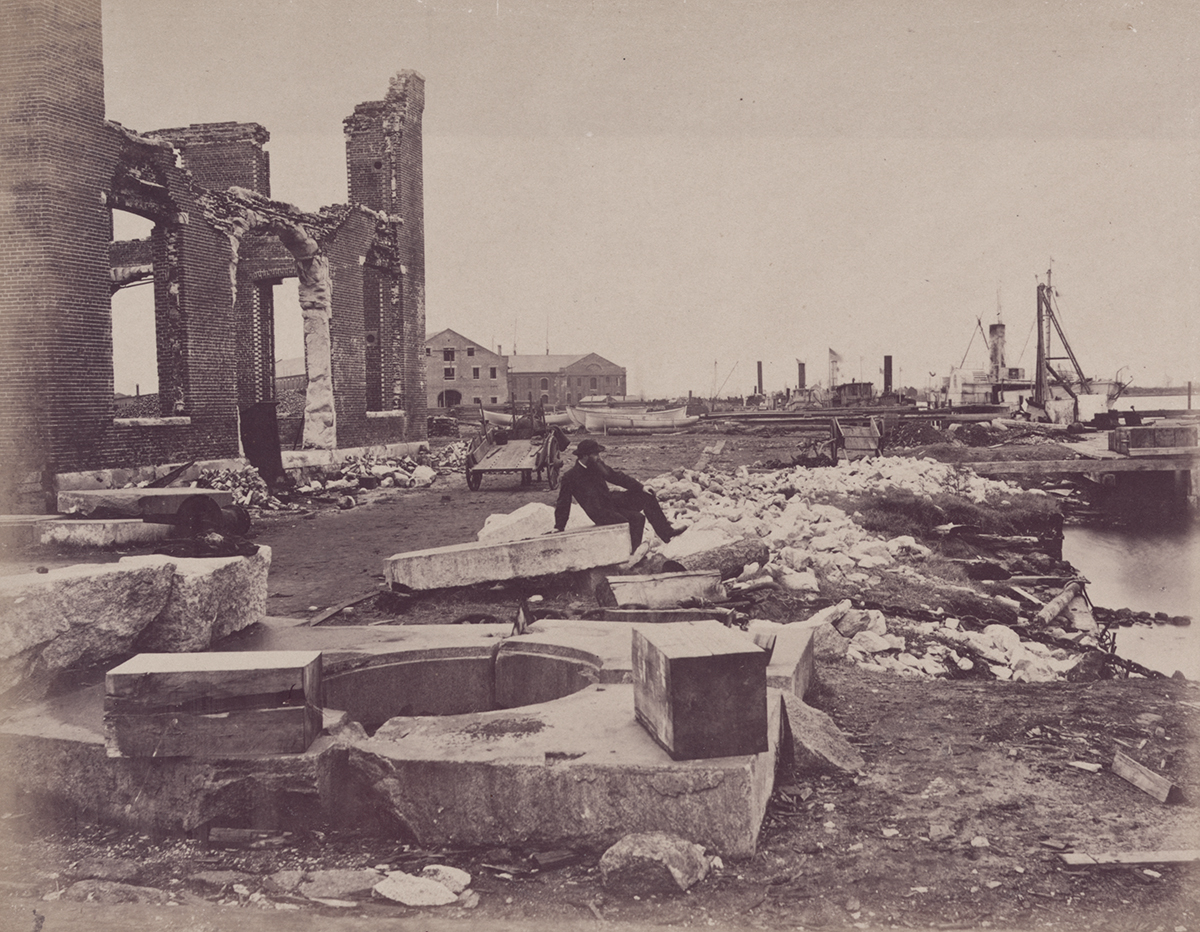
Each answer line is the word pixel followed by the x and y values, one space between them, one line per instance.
pixel 63 165
pixel 223 155
pixel 384 170
pixel 66 169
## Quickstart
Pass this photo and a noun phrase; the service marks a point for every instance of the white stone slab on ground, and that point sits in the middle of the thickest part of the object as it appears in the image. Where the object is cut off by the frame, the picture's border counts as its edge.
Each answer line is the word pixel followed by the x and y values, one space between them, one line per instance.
pixel 467 564
pixel 133 503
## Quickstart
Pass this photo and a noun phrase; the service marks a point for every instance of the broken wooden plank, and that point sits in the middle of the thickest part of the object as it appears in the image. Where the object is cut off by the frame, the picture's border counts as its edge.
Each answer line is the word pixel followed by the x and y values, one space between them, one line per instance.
pixel 335 609
pixel 1027 596
pixel 1131 858
pixel 1058 603
pixel 1145 779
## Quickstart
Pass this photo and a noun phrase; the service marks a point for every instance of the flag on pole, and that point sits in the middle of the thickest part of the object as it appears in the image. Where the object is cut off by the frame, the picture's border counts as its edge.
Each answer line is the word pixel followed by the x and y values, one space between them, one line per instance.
pixel 834 357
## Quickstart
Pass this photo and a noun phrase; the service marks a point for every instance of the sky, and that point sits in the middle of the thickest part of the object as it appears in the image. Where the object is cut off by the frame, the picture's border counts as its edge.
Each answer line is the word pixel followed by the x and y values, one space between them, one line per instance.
pixel 692 187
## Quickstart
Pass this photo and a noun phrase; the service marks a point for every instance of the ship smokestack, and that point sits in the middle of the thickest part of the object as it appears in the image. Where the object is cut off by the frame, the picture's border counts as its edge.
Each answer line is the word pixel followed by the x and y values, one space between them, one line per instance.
pixel 996 339
pixel 887 375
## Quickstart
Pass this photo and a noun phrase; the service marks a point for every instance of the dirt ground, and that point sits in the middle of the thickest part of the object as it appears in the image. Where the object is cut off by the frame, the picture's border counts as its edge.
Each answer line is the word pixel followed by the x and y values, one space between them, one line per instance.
pixel 969 796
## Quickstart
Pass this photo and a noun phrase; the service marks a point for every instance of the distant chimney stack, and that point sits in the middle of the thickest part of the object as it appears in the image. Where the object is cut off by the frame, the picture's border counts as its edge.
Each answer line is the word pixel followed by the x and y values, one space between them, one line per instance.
pixel 996 339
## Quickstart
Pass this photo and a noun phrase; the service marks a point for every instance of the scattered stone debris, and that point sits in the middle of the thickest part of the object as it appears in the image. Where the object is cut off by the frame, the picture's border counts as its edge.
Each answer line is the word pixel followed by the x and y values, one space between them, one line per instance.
pixel 653 862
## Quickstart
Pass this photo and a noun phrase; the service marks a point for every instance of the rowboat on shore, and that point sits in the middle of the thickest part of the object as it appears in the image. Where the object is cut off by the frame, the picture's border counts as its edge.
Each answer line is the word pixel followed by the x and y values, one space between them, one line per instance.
pixel 601 419
pixel 507 419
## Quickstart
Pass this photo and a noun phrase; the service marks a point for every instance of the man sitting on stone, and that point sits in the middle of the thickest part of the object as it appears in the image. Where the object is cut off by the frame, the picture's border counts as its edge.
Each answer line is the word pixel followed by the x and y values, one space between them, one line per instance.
pixel 587 483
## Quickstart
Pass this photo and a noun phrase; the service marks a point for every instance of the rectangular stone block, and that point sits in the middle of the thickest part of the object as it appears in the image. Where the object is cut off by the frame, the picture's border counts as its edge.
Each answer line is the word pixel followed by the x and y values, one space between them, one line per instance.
pixel 214 705
pixel 700 689
pixel 659 616
pixel 133 503
pixel 1164 435
pixel 666 590
pixel 467 564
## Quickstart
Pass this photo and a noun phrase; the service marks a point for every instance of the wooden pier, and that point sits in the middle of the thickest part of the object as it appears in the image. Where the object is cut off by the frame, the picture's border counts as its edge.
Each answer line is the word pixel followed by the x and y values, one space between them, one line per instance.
pixel 1169 462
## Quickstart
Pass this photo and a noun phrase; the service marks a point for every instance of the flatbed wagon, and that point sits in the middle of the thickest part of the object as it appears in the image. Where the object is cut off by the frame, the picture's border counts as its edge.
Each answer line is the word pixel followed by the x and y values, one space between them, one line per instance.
pixel 530 449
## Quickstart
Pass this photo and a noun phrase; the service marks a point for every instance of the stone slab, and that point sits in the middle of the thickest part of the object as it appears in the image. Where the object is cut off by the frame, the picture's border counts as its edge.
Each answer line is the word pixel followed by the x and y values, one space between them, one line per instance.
pixel 666 590
pixel 211 598
pixel 72 615
pixel 214 705
pixel 468 564
pixel 56 749
pixel 133 503
pixel 579 769
pixel 101 533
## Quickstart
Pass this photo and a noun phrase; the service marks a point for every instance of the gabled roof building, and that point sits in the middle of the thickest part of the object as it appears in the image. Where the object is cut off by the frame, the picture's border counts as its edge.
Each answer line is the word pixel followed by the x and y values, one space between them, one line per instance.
pixel 563 380
pixel 459 371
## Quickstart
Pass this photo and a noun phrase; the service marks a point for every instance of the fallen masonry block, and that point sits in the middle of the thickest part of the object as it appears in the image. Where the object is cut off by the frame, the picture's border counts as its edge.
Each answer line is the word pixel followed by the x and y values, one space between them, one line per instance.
pixel 700 690
pixel 815 743
pixel 729 559
pixel 101 533
pixel 211 598
pixel 74 615
pixel 133 503
pixel 661 590
pixel 576 772
pixel 214 705
pixel 468 564
pixel 657 616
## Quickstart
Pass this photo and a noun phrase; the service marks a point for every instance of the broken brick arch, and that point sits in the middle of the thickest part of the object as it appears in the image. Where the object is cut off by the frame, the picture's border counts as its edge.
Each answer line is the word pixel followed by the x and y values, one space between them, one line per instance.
pixel 242 214
pixel 214 253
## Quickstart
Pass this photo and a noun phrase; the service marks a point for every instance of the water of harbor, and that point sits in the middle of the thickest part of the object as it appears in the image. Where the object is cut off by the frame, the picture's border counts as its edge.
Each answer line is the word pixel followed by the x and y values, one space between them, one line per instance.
pixel 1148 569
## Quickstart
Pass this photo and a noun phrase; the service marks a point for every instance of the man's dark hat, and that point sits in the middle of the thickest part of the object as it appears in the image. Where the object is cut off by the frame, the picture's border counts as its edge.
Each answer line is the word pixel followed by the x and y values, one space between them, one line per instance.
pixel 588 446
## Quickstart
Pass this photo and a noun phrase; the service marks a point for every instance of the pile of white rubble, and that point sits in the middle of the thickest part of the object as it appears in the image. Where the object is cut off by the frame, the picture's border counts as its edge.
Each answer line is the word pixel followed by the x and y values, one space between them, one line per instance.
pixel 778 508
pixel 805 537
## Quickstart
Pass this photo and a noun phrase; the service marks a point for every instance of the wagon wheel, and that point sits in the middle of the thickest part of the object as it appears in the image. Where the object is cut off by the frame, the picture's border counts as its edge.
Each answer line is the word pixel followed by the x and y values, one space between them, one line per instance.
pixel 474 476
pixel 552 473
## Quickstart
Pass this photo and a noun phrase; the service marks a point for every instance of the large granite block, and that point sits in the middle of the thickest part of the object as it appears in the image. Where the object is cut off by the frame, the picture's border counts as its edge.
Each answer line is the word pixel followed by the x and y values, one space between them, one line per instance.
pixel 467 564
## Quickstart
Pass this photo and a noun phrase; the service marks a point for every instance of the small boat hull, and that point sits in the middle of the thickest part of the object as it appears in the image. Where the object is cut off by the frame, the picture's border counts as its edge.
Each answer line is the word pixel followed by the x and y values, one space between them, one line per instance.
pixel 601 419
pixel 505 419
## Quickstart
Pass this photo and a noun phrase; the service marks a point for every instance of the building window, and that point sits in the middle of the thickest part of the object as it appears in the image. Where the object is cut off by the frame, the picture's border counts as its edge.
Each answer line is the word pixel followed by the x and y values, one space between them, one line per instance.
pixel 493 401
pixel 545 384
pixel 429 351
pixel 492 373
pixel 593 383
pixel 448 354
pixel 448 373
pixel 545 399
pixel 568 397
pixel 471 352
pixel 476 401
pixel 608 380
pixel 474 371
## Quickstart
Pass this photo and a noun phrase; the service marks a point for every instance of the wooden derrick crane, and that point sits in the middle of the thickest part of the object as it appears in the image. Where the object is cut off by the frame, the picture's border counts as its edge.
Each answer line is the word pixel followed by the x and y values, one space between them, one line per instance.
pixel 1046 319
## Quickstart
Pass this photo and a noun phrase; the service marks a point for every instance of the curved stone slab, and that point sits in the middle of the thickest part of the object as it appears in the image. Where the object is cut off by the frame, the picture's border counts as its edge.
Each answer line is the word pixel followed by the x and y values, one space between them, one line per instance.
pixel 578 769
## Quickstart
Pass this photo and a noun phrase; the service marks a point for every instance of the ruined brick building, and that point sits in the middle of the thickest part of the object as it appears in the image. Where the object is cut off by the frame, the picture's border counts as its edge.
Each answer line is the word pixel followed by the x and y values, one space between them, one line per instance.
pixel 218 247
